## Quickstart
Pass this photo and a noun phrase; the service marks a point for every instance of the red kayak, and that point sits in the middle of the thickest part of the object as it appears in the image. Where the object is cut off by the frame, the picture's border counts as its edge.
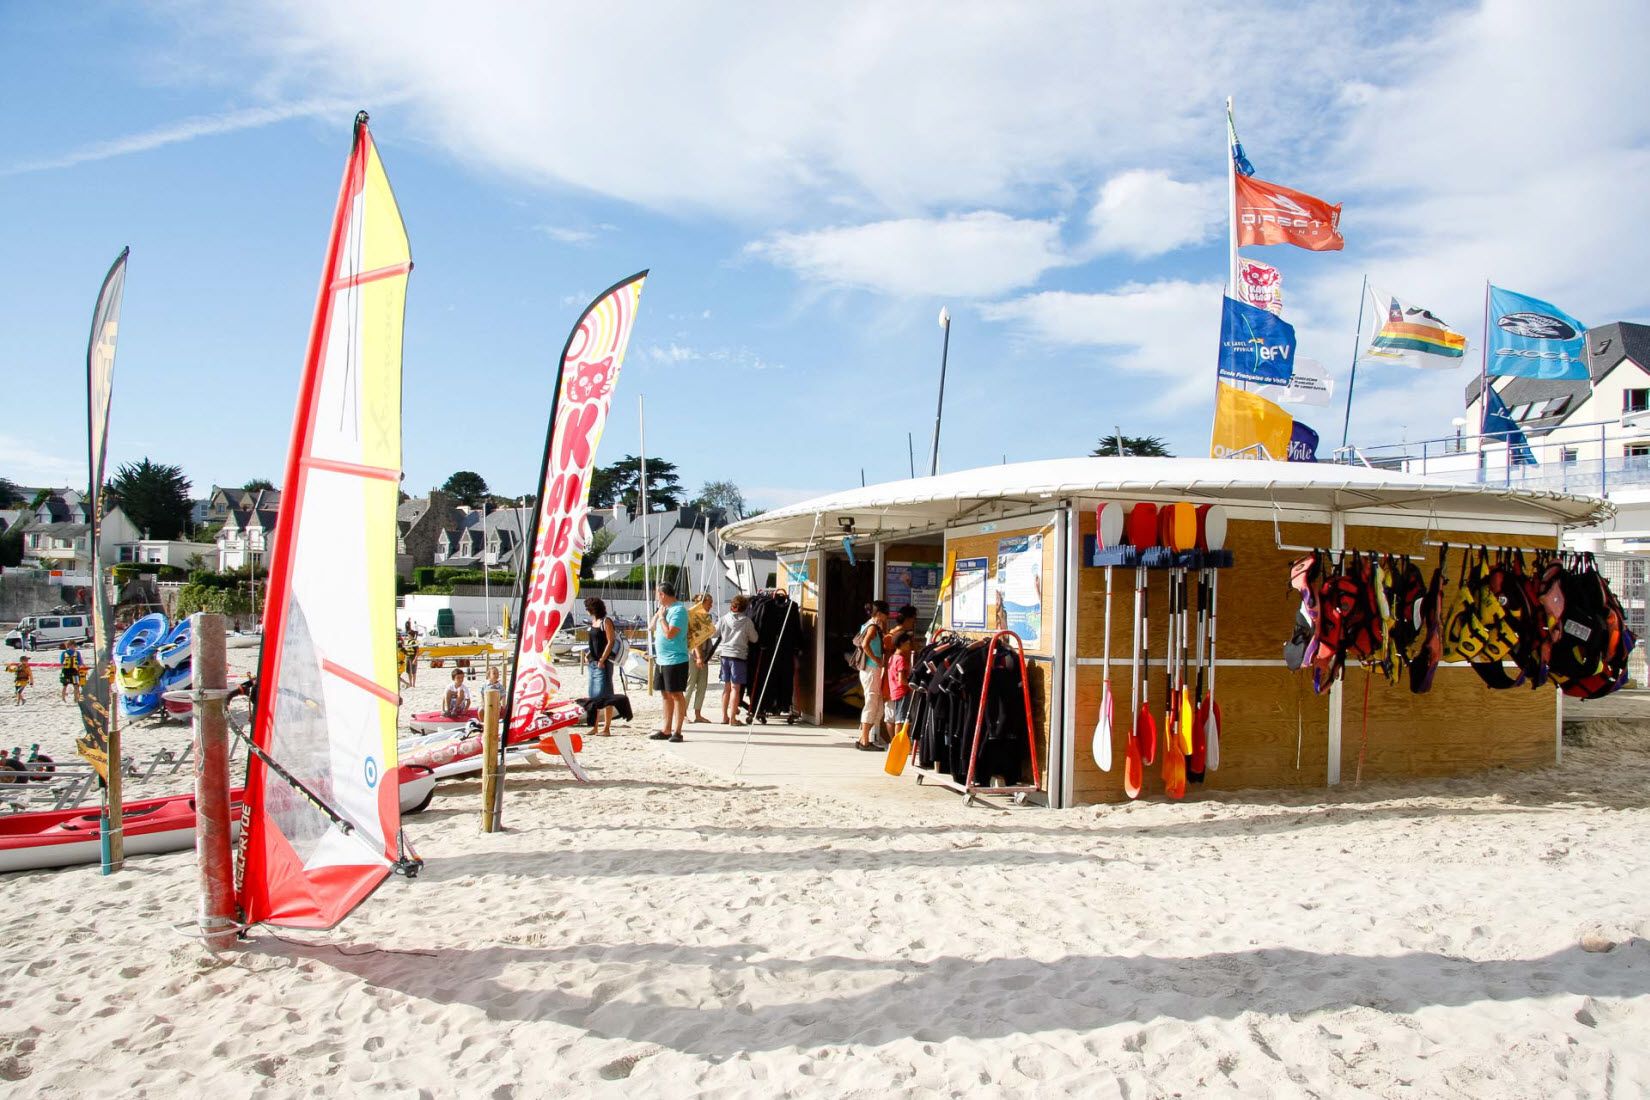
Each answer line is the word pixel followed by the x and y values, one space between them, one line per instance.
pixel 62 838
pixel 434 719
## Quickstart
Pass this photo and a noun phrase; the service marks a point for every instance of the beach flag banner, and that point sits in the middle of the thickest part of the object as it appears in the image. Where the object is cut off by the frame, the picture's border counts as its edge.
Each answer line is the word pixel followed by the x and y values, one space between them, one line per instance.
pixel 1309 385
pixel 1243 420
pixel 1260 285
pixel 1240 163
pixel 96 698
pixel 1499 424
pixel 1530 338
pixel 586 375
pixel 1411 336
pixel 1269 213
pixel 1303 443
pixel 1255 346
pixel 323 824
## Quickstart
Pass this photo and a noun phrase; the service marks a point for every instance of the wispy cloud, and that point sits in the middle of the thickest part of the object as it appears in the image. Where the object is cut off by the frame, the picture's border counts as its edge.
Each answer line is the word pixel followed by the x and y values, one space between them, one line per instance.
pixel 571 234
pixel 27 465
pixel 175 133
pixel 741 357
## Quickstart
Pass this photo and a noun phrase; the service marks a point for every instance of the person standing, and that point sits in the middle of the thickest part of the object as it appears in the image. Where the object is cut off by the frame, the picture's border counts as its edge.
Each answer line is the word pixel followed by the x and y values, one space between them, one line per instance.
pixel 599 659
pixel 412 655
pixel 735 634
pixel 69 677
pixel 701 640
pixel 869 641
pixel 669 625
pixel 899 678
pixel 22 677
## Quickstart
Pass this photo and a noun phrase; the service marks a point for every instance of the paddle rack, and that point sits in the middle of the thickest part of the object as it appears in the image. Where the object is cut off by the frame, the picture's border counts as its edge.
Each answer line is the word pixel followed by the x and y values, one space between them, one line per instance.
pixel 970 790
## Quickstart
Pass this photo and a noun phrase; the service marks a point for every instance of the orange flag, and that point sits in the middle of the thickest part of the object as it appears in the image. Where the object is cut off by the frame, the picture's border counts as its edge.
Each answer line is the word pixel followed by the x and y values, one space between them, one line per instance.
pixel 1271 214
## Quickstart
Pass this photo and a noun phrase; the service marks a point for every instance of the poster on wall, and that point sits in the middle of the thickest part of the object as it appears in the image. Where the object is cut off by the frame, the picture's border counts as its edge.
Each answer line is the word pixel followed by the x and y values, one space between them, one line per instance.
pixel 1019 603
pixel 968 594
pixel 797 579
pixel 912 582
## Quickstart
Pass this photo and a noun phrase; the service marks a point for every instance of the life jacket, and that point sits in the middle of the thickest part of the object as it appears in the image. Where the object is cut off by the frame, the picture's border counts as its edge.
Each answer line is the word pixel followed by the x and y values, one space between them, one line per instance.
pixel 1396 632
pixel 1478 630
pixel 1430 651
pixel 1303 578
pixel 1348 625
pixel 1589 603
pixel 1506 585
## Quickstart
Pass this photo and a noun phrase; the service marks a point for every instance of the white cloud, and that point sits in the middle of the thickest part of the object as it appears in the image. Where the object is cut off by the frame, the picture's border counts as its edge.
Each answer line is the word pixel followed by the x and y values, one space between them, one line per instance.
pixel 1146 213
pixel 186 130
pixel 971 255
pixel 567 234
pixel 671 353
pixel 1163 330
pixel 882 108
pixel 25 464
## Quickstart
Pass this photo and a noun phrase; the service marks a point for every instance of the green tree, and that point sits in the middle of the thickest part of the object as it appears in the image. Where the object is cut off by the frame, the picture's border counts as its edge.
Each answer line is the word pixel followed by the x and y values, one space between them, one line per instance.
pixel 9 496
pixel 621 482
pixel 1134 446
pixel 154 496
pixel 466 485
pixel 258 483
pixel 724 495
pixel 11 547
pixel 599 542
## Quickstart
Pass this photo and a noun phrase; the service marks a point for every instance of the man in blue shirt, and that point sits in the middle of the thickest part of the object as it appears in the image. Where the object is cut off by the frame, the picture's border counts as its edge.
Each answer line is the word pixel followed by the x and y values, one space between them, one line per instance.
pixel 670 656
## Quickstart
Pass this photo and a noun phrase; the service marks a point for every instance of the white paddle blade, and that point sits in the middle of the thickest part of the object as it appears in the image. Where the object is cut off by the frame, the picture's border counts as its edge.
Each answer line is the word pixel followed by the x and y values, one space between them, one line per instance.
pixel 1109 524
pixel 1102 730
pixel 1211 734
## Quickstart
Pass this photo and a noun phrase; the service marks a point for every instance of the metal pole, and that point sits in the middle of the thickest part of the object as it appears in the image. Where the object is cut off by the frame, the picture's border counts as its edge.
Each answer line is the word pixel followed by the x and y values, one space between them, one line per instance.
pixel 1484 375
pixel 911 453
pixel 491 771
pixel 212 815
pixel 1346 424
pixel 647 550
pixel 945 351
pixel 1231 203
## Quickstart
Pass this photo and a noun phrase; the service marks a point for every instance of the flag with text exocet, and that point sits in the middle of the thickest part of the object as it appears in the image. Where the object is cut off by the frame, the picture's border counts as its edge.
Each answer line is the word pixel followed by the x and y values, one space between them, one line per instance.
pixel 1530 338
pixel 1255 346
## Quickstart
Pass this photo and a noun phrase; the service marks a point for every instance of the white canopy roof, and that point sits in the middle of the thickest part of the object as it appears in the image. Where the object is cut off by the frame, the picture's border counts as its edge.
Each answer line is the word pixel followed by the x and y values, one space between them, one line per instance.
pixel 928 504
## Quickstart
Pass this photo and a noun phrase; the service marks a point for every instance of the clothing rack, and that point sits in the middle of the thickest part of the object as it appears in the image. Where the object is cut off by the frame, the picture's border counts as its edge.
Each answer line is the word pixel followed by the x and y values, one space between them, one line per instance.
pixel 969 789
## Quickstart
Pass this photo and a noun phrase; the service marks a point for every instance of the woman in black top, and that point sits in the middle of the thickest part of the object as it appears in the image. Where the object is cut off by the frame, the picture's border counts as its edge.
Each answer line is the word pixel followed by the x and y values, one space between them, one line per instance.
pixel 600 659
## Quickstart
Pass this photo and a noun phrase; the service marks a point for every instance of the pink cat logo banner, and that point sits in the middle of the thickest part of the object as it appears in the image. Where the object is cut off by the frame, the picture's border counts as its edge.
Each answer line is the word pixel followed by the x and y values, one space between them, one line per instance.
pixel 561 526
pixel 1261 285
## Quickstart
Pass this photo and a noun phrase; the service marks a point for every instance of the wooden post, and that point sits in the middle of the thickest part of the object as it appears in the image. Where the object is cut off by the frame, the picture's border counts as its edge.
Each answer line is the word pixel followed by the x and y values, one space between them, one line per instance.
pixel 491 786
pixel 212 813
pixel 112 825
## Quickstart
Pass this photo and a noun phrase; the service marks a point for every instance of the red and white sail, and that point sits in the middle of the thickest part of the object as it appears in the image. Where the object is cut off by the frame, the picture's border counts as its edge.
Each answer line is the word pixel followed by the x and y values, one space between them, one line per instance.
pixel 324 834
pixel 586 375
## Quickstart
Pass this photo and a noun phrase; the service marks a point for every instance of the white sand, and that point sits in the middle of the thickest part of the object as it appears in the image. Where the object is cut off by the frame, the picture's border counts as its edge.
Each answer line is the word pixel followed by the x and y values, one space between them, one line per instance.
pixel 668 932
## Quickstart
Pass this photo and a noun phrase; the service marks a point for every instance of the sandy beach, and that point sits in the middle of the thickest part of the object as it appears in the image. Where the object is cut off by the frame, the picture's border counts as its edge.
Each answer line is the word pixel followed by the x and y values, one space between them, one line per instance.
pixel 670 931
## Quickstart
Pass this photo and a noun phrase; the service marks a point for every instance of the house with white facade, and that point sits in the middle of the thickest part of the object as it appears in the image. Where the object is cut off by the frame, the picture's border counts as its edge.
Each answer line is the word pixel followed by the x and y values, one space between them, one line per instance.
pixel 688 539
pixel 248 533
pixel 59 538
pixel 177 552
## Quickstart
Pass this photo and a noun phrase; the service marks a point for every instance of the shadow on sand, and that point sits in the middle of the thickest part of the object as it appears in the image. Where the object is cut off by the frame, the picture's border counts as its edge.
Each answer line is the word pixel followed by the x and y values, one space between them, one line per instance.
pixel 838 999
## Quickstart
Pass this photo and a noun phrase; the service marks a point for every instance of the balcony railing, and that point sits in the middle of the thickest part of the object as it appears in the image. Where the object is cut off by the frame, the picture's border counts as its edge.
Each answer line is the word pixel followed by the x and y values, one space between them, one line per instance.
pixel 1591 459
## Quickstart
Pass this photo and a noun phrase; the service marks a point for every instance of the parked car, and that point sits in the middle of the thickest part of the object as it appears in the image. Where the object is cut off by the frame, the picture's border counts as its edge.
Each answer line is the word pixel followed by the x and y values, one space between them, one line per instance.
pixel 51 631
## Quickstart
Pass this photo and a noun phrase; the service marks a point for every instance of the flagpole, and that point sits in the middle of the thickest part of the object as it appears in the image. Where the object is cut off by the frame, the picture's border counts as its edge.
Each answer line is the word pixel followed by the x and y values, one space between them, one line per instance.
pixel 1346 425
pixel 1231 202
pixel 1484 375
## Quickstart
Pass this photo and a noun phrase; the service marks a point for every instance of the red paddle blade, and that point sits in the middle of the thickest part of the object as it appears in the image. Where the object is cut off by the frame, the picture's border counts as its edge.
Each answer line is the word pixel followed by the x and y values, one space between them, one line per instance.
pixel 1145 730
pixel 1200 740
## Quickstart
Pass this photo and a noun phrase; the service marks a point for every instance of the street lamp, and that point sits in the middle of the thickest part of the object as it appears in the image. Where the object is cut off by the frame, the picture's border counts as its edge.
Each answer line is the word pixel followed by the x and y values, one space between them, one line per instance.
pixel 1459 422
pixel 945 349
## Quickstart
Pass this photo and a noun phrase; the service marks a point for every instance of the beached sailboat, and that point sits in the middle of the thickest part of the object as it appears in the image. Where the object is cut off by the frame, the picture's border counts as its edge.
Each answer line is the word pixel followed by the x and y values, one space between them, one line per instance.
pixel 323 827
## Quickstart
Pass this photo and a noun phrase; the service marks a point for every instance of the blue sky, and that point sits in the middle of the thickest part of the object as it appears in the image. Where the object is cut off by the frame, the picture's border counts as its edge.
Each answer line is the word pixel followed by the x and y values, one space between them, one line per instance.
pixel 809 186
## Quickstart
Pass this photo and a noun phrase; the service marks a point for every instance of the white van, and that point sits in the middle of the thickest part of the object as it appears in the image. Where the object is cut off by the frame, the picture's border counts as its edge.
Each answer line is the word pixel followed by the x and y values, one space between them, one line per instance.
pixel 50 631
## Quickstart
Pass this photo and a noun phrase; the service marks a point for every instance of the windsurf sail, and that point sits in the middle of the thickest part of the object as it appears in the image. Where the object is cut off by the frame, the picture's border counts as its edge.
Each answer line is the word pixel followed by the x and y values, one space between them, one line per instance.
pixel 324 821
pixel 100 738
pixel 585 377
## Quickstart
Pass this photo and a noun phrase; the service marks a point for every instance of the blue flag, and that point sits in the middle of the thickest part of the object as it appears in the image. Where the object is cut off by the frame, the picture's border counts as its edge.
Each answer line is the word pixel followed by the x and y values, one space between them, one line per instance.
pixel 1499 424
pixel 1303 444
pixel 1530 338
pixel 1255 345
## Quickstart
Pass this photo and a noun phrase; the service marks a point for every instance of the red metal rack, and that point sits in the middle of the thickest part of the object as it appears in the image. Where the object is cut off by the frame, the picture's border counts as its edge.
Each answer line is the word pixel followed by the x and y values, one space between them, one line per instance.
pixel 969 789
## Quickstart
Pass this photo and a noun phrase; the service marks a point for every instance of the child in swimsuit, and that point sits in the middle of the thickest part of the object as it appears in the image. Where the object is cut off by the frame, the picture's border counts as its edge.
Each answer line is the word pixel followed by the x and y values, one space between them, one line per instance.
pixel 455 702
pixel 22 677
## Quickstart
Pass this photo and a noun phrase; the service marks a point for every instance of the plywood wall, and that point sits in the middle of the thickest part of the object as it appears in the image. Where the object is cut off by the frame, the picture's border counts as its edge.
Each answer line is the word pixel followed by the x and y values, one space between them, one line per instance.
pixel 1276 728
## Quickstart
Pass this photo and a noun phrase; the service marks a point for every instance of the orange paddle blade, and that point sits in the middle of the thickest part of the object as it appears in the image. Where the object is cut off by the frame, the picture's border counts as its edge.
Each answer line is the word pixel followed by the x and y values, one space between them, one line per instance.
pixel 1146 732
pixel 1134 773
pixel 1174 772
pixel 1183 724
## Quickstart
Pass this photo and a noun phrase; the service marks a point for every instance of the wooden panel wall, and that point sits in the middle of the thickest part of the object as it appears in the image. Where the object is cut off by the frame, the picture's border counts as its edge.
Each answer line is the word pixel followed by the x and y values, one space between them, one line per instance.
pixel 1271 714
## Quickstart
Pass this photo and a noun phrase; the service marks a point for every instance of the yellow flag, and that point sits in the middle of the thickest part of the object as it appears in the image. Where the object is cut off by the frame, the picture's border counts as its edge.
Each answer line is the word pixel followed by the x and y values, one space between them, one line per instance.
pixel 1242 420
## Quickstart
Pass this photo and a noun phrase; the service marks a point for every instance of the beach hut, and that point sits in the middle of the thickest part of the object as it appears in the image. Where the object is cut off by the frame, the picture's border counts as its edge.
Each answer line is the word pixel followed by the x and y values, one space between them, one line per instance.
pixel 1019 540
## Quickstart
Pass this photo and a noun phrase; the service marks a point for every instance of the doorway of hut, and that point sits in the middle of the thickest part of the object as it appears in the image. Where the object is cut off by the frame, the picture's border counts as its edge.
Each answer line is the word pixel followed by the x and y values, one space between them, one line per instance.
pixel 849 586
